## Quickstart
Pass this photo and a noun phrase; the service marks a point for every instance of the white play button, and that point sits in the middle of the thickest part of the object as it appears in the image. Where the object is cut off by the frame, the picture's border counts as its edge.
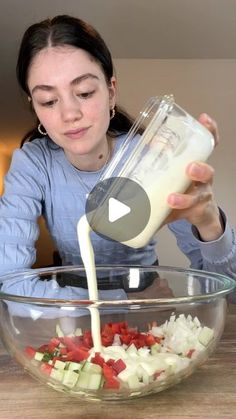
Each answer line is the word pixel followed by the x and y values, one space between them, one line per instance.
pixel 116 210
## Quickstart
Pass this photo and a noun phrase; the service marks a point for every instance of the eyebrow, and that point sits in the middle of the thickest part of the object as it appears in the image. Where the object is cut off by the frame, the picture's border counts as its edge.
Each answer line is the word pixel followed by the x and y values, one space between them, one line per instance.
pixel 77 80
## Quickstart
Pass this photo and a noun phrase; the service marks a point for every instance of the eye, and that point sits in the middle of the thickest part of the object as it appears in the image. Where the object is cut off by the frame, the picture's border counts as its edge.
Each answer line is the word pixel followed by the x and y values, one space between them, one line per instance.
pixel 49 103
pixel 86 95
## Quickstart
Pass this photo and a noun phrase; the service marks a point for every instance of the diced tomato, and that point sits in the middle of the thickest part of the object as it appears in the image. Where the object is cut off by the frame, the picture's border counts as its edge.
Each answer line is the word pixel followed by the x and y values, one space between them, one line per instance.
pixel 107 335
pixel 157 374
pixel 142 340
pixel 115 327
pixel 133 330
pixel 107 340
pixel 190 352
pixel 77 355
pixel 98 359
pixel 124 325
pixel 63 351
pixel 87 339
pixel 46 368
pixel 55 341
pixel 125 339
pixel 43 348
pixel 53 344
pixel 150 340
pixel 69 343
pixel 119 366
pixel 108 371
pixel 111 383
pixel 123 331
pixel 107 330
pixel 158 339
pixel 110 362
pixel 30 351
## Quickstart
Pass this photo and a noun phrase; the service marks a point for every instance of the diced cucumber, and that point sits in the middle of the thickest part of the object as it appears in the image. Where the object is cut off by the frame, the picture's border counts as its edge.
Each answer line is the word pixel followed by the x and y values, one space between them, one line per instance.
pixel 89 381
pixel 57 374
pixel 60 365
pixel 133 381
pixel 206 335
pixel 70 378
pixel 38 356
pixel 83 380
pixel 74 366
pixel 155 348
pixel 92 368
pixel 95 381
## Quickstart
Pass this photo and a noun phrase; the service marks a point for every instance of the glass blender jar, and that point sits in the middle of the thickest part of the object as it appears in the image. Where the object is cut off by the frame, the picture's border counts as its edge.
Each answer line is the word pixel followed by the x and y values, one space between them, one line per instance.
pixel 157 159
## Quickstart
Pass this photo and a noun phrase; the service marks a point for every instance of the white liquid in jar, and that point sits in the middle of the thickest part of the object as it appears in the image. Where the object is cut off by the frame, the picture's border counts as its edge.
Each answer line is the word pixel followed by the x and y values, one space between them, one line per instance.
pixel 167 175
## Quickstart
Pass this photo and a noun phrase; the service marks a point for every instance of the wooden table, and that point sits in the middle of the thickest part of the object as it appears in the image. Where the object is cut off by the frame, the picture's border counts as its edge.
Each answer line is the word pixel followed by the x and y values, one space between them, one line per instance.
pixel 209 393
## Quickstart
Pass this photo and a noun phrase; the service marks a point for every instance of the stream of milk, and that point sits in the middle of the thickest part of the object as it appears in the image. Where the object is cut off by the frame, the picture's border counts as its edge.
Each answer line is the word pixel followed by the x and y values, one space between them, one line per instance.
pixel 87 254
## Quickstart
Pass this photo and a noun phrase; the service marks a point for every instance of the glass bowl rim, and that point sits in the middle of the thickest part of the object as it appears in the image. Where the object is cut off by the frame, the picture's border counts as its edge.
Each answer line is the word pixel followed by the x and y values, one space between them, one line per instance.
pixel 228 285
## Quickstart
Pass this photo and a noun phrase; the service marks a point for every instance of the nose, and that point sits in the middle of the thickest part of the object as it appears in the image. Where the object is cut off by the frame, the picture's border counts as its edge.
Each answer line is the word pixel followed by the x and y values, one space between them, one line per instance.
pixel 71 110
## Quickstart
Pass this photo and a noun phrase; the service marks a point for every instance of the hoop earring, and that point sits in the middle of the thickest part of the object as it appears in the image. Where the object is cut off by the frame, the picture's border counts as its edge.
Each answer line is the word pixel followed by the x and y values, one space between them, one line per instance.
pixel 112 113
pixel 40 130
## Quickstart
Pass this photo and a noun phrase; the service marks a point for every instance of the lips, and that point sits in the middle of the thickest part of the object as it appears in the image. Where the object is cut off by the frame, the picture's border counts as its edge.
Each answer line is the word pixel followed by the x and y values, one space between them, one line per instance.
pixel 76 133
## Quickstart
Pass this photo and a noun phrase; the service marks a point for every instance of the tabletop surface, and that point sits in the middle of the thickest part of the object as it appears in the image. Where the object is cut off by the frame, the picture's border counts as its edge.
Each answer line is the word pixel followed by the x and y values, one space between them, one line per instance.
pixel 210 392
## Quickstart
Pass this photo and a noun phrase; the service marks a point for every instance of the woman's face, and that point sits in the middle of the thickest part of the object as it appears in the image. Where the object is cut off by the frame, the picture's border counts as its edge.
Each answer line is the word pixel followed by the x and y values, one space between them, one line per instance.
pixel 72 99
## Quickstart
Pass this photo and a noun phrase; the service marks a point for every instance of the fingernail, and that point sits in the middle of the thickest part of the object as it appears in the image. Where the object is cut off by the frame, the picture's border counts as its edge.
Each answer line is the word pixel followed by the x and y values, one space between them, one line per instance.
pixel 174 200
pixel 208 119
pixel 196 169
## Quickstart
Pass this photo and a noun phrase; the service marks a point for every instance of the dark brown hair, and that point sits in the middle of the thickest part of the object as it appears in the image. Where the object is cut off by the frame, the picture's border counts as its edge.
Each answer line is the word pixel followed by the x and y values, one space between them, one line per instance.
pixel 68 30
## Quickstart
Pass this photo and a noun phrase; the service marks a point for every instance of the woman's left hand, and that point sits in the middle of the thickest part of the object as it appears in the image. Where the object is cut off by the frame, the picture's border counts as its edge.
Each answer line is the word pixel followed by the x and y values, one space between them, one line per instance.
pixel 197 205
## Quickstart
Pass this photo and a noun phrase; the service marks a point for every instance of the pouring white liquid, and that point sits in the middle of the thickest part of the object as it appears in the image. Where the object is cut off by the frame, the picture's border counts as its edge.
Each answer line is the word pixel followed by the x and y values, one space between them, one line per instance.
pixel 87 254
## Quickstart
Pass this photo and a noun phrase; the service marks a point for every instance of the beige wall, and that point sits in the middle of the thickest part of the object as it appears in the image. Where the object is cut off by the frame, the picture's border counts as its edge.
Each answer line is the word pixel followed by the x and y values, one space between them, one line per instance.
pixel 198 86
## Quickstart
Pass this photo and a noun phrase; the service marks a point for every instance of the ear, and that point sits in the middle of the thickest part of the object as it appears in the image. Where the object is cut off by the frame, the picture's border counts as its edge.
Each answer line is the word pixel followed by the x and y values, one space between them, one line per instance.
pixel 112 91
pixel 31 103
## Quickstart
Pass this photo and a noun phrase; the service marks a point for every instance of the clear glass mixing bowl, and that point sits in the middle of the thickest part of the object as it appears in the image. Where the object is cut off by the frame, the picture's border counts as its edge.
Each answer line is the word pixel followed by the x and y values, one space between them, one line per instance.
pixel 158 324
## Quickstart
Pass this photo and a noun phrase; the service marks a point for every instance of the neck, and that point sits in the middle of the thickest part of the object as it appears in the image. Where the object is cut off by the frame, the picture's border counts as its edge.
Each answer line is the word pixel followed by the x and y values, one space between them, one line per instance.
pixel 91 162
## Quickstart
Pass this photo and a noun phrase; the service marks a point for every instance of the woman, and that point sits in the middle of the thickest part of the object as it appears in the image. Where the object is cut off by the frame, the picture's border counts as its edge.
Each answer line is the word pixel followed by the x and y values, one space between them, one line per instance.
pixel 66 70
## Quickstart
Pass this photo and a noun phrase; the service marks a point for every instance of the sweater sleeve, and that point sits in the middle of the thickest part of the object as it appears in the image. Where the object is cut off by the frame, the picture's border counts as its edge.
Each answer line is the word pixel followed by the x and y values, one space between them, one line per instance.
pixel 215 256
pixel 20 207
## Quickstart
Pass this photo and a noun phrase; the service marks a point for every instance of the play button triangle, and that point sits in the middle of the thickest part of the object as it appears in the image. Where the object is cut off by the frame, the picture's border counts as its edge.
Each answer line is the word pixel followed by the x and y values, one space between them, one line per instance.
pixel 117 210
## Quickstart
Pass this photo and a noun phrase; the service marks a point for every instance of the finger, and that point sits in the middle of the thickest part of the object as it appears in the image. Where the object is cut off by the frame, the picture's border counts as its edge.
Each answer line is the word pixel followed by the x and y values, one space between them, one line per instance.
pixel 200 172
pixel 184 201
pixel 211 125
